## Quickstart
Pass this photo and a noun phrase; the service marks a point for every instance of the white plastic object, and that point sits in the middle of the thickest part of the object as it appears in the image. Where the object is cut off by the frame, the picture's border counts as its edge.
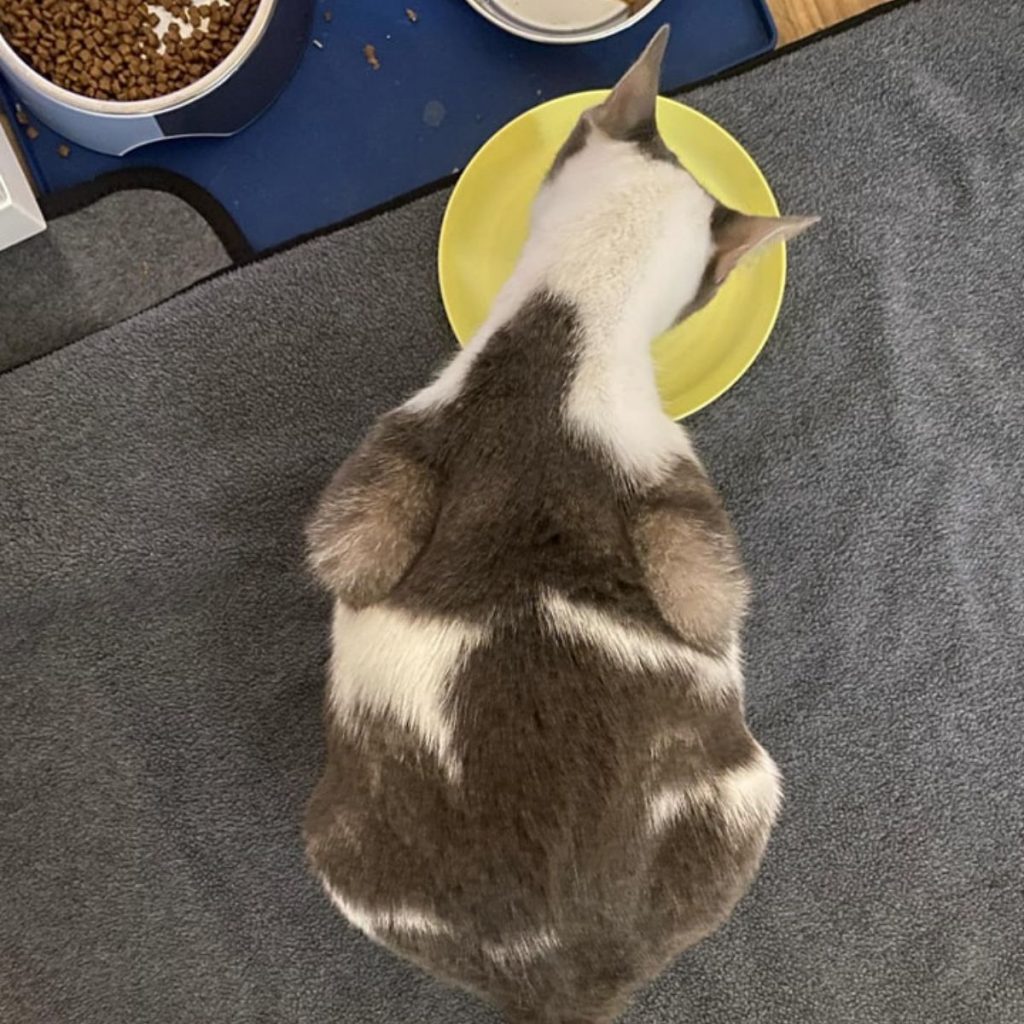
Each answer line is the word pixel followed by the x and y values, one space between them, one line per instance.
pixel 20 217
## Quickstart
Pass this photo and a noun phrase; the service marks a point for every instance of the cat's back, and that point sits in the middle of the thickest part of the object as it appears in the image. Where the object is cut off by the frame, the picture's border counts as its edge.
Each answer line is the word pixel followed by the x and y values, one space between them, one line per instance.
pixel 524 505
pixel 527 765
pixel 557 798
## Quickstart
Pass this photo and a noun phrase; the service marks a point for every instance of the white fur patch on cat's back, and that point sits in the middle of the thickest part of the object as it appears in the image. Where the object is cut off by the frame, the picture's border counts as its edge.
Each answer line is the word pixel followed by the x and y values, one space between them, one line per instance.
pixel 523 949
pixel 523 285
pixel 713 678
pixel 626 423
pixel 744 798
pixel 392 663
pixel 379 923
pixel 445 388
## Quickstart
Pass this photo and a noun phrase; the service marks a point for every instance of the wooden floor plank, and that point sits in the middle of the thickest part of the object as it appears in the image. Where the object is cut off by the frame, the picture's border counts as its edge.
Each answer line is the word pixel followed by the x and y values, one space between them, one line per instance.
pixel 799 18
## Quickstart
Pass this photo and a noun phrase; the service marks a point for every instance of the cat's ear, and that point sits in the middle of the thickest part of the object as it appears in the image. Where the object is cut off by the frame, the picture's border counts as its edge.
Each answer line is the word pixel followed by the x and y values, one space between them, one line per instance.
pixel 632 103
pixel 737 236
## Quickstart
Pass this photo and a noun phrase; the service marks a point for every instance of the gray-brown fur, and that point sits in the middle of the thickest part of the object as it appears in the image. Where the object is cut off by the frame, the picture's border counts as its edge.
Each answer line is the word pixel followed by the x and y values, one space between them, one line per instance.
pixel 646 137
pixel 373 518
pixel 545 828
pixel 518 497
pixel 691 565
pixel 575 141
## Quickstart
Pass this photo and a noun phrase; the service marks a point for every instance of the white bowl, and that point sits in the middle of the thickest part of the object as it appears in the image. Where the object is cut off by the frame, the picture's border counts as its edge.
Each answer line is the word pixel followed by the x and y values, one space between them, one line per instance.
pixel 562 21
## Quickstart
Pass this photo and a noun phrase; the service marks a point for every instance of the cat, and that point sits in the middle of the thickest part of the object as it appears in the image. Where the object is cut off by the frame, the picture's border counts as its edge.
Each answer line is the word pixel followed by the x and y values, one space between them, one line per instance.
pixel 539 783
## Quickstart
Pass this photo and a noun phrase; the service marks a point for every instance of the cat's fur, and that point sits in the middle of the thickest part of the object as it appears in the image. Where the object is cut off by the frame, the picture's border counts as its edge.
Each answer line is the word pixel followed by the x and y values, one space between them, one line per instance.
pixel 539 781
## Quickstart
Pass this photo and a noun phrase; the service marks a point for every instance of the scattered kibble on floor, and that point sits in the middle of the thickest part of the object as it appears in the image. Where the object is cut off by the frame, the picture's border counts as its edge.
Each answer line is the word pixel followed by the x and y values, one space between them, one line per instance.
pixel 32 132
pixel 20 116
pixel 412 15
pixel 64 150
pixel 370 53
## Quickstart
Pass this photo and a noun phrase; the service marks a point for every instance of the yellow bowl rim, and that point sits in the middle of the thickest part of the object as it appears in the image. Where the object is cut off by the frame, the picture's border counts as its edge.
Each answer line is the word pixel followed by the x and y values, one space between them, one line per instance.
pixel 597 95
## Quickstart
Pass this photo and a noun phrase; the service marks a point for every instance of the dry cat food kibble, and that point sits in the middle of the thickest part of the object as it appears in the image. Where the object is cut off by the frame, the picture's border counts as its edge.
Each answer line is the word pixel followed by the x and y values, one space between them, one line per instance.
pixel 124 49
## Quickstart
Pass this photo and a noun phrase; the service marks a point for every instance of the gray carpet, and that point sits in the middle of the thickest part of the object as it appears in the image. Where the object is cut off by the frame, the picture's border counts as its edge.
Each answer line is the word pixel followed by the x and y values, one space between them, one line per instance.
pixel 92 268
pixel 161 648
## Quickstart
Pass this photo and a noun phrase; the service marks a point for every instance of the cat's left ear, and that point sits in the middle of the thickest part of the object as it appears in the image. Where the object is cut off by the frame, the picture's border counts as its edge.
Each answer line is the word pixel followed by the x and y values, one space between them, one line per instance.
pixel 738 236
pixel 632 103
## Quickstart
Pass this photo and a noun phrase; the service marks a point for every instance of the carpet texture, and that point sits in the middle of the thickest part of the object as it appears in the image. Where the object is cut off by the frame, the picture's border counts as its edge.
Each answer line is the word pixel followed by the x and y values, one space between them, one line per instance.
pixel 92 268
pixel 161 649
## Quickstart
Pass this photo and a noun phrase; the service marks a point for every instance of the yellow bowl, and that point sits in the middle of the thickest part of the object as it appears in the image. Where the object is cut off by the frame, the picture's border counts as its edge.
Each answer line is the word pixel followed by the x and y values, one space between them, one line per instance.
pixel 486 222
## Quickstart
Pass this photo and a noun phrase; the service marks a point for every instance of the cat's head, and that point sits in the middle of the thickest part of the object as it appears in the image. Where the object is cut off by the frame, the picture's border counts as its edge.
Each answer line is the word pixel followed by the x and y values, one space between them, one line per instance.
pixel 615 177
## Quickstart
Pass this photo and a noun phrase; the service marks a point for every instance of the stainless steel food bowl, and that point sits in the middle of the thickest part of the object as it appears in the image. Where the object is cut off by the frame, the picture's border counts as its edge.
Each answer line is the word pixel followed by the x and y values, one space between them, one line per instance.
pixel 222 102
pixel 609 17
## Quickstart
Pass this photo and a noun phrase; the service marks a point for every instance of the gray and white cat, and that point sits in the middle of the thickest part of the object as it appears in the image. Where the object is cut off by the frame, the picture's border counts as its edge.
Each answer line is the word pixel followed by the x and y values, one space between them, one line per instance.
pixel 539 782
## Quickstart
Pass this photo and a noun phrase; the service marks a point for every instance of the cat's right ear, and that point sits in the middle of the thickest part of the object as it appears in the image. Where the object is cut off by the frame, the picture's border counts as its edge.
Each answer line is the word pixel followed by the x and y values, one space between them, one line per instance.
pixel 630 108
pixel 738 236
